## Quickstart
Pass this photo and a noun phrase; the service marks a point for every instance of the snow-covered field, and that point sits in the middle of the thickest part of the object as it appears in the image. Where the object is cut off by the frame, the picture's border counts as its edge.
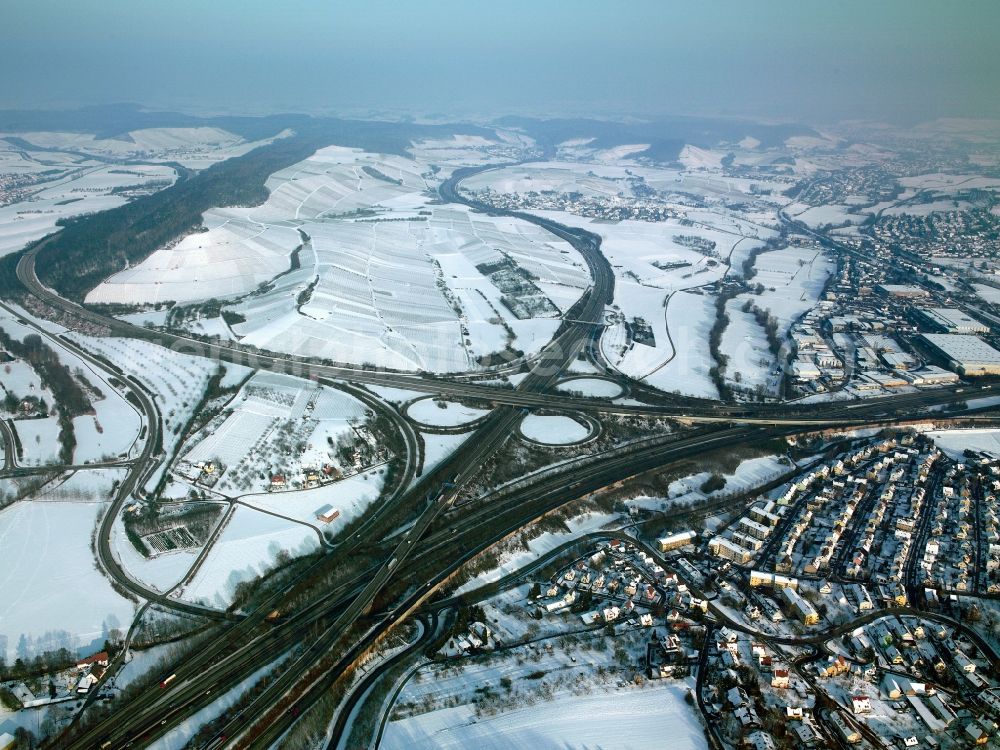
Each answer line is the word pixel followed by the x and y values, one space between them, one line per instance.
pixel 941 181
pixel 387 277
pixel 71 175
pixel 541 177
pixel 684 366
pixel 39 440
pixel 351 496
pixel 195 148
pixel 75 190
pixel 658 264
pixel 655 716
pixel 751 364
pixel 954 443
pixel 793 280
pixel 81 486
pixel 693 157
pixel 749 474
pixel 160 572
pixel 177 381
pixel 439 413
pixel 51 593
pixel 819 216
pixel 438 447
pixel 597 387
pixel 469 150
pixel 553 429
pixel 248 547
pixel 924 209
pixel 20 379
pixel 274 423
pixel 110 432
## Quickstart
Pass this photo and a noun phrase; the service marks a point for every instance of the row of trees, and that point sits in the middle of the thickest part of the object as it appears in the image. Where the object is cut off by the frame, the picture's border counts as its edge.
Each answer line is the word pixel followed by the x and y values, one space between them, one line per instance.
pixel 766 320
pixel 718 371
pixel 43 663
pixel 70 397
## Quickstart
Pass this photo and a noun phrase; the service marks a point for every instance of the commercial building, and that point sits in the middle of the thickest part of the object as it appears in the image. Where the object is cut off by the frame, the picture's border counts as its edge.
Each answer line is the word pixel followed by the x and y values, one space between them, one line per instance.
pixel 902 290
pixel 951 320
pixel 967 355
pixel 885 380
pixel 930 375
pixel 805 369
pixel 898 360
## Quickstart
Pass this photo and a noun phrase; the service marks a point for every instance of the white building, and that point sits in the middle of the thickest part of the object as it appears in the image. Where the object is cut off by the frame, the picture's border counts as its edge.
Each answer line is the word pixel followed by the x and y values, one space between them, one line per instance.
pixel 968 355
pixel 952 320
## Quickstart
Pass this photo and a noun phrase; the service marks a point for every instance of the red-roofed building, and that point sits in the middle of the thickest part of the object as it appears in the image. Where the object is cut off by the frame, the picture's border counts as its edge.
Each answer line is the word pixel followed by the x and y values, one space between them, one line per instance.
pixel 101 658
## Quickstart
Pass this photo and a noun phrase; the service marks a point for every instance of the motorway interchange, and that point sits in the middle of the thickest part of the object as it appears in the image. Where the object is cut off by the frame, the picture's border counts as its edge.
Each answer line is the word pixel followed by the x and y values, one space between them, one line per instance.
pixel 328 630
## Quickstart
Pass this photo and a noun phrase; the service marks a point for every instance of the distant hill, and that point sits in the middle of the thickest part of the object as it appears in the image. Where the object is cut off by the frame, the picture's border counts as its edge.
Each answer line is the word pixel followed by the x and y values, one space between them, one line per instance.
pixel 666 136
pixel 116 120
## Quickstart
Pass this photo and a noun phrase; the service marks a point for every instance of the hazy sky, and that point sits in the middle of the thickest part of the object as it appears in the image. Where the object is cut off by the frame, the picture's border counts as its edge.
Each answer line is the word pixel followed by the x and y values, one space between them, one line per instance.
pixel 814 61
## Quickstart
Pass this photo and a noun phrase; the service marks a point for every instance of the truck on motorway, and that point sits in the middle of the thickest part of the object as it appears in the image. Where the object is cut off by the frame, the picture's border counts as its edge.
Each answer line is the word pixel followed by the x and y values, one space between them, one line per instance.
pixel 167 680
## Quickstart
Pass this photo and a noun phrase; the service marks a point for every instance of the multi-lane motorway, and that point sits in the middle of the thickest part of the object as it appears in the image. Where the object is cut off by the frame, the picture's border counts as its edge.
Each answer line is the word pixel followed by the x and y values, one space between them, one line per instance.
pixel 139 469
pixel 549 366
pixel 423 555
pixel 10 447
pixel 433 558
pixel 547 369
pixel 244 646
